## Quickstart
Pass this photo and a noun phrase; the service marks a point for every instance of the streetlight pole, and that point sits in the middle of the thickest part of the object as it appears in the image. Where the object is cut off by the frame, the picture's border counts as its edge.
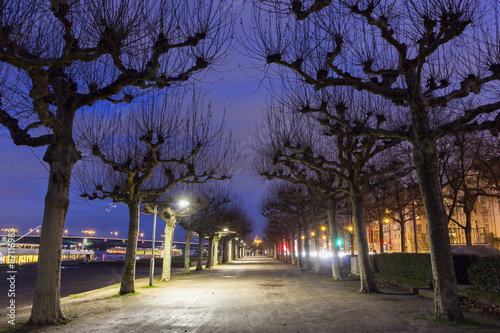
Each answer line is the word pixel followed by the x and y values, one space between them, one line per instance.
pixel 152 262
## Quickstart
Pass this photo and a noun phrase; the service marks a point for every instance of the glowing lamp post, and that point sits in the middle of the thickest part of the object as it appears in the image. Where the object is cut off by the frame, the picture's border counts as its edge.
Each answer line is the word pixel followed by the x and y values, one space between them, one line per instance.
pixel 181 204
pixel 351 232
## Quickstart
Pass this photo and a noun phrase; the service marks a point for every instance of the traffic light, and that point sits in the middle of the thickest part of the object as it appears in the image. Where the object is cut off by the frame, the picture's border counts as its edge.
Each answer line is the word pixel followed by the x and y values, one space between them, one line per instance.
pixel 339 241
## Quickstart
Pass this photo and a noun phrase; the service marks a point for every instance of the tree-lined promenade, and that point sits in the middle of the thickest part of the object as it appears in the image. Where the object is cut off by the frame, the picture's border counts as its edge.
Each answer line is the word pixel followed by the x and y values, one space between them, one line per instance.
pixel 363 93
pixel 257 294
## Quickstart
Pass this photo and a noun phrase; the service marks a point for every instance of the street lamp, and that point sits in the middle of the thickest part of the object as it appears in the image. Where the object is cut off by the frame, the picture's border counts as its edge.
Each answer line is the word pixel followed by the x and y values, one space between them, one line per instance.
pixel 183 203
pixel 351 229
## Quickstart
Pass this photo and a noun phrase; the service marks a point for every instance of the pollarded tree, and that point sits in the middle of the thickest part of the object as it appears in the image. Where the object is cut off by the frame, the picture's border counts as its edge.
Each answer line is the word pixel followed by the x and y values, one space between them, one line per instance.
pixel 170 207
pixel 327 186
pixel 284 221
pixel 376 209
pixel 322 145
pixel 141 156
pixel 204 220
pixel 58 57
pixel 423 55
pixel 236 221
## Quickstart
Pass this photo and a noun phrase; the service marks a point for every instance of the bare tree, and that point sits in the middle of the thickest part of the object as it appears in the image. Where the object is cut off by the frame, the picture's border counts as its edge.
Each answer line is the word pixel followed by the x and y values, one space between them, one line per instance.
pixel 58 57
pixel 327 186
pixel 467 170
pixel 341 151
pixel 284 221
pixel 424 56
pixel 169 208
pixel 145 155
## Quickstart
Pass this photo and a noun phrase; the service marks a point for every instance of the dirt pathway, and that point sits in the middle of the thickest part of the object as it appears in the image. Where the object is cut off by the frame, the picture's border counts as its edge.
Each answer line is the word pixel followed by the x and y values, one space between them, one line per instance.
pixel 257 294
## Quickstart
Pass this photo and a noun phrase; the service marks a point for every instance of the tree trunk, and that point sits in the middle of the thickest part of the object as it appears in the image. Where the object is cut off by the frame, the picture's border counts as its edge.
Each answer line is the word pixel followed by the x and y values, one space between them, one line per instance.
pixel 46 302
pixel 306 246
pixel 201 248
pixel 224 250
pixel 216 250
pixel 210 251
pixel 167 252
pixel 331 211
pixel 128 276
pixel 468 227
pixel 367 277
pixel 187 250
pixel 381 233
pixel 317 264
pixel 300 258
pixel 292 250
pixel 403 234
pixel 446 300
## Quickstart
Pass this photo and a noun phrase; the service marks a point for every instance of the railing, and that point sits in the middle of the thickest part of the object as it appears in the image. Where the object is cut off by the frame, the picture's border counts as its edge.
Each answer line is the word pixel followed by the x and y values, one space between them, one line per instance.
pixel 478 236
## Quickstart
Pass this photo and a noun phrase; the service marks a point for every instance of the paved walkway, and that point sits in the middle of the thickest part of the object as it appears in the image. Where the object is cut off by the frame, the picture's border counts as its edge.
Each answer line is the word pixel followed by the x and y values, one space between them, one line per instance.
pixel 260 294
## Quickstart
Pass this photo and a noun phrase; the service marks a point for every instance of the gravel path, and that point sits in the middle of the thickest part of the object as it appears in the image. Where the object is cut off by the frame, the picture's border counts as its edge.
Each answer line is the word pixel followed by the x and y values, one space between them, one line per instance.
pixel 257 294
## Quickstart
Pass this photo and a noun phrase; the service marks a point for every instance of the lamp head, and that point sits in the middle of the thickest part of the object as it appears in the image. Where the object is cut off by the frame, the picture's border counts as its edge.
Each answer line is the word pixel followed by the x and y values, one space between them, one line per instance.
pixel 183 203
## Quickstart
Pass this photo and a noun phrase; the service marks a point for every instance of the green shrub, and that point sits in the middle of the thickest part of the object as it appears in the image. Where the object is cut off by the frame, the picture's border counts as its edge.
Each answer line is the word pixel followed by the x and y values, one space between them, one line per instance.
pixel 418 266
pixel 484 274
pixel 462 264
pixel 408 265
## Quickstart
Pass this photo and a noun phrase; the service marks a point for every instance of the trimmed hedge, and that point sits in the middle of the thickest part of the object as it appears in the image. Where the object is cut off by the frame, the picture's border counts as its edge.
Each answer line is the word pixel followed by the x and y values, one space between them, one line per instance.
pixel 418 266
pixel 485 274
pixel 408 265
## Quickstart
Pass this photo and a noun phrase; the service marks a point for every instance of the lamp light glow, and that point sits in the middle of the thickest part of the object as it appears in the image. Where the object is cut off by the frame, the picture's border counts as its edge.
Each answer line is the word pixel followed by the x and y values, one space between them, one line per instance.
pixel 183 203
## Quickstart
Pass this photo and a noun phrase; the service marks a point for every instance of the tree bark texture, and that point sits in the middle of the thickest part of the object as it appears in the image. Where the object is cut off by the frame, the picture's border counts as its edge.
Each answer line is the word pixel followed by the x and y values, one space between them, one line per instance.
pixel 216 250
pixel 381 233
pixel 210 252
pixel 317 264
pixel 446 300
pixel 187 250
pixel 366 272
pixel 167 252
pixel 128 276
pixel 201 247
pixel 307 249
pixel 292 250
pixel 300 258
pixel 46 308
pixel 331 211
pixel 468 227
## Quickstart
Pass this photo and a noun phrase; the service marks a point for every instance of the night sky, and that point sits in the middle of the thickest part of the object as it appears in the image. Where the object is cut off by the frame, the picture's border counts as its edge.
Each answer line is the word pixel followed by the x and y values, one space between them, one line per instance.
pixel 23 175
